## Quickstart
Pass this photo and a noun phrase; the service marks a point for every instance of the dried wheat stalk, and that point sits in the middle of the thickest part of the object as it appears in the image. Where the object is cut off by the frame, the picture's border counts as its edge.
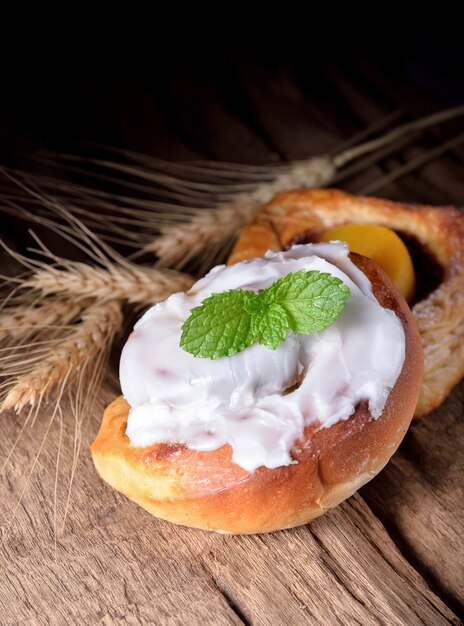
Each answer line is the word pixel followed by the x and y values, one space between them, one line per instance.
pixel 18 322
pixel 136 284
pixel 66 358
pixel 214 200
pixel 35 322
pixel 174 246
pixel 178 243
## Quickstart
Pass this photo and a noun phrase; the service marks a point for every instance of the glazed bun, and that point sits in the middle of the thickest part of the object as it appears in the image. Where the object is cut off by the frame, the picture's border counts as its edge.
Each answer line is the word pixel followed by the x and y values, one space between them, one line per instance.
pixel 207 490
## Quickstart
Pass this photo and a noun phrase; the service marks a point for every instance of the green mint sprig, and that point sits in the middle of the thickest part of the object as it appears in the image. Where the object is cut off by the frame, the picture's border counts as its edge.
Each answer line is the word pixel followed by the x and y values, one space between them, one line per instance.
pixel 228 322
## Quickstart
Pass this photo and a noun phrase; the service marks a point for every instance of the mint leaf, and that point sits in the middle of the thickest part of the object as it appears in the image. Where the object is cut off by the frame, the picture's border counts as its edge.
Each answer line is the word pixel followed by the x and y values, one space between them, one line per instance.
pixel 220 326
pixel 311 300
pixel 270 326
pixel 228 322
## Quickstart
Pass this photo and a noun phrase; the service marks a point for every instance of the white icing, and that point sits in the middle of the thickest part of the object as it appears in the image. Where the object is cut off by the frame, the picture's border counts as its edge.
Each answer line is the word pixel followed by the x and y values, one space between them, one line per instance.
pixel 240 400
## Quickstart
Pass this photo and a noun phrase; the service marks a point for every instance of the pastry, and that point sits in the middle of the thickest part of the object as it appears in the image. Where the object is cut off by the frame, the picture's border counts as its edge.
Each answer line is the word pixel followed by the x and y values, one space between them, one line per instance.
pixel 264 439
pixel 435 236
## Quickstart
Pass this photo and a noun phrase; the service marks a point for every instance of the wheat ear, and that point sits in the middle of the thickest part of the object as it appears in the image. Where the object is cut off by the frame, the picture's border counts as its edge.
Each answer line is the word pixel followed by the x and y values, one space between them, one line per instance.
pixel 92 336
pixel 213 200
pixel 19 322
pixel 178 243
pixel 175 245
pixel 136 285
pixel 111 276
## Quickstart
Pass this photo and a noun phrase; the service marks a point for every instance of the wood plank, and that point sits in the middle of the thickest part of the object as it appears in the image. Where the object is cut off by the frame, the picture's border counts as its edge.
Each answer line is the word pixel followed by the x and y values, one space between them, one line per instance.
pixel 360 98
pixel 419 103
pixel 114 562
pixel 197 106
pixel 341 569
pixel 367 105
pixel 419 497
pixel 275 96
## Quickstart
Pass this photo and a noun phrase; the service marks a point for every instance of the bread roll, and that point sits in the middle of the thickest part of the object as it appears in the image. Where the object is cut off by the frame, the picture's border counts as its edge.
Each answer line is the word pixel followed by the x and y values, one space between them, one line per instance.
pixel 208 490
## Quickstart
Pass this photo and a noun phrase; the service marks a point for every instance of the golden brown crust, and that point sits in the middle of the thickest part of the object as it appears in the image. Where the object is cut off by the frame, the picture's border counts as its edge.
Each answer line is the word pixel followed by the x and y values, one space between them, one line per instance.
pixel 440 316
pixel 207 490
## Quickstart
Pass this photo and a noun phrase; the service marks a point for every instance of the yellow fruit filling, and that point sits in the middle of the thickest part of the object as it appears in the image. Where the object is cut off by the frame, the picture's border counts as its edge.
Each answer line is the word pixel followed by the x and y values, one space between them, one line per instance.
pixel 383 246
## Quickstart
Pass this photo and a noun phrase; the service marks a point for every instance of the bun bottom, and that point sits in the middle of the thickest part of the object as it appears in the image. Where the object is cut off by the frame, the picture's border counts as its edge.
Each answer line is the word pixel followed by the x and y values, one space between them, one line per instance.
pixel 207 490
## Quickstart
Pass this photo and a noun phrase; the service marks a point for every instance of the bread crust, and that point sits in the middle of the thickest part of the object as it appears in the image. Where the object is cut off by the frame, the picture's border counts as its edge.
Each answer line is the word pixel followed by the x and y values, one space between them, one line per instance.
pixel 207 490
pixel 440 316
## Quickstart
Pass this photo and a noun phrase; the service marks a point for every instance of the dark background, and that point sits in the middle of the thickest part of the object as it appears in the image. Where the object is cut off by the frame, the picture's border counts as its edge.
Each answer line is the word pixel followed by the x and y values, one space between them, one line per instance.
pixel 279 88
pixel 178 89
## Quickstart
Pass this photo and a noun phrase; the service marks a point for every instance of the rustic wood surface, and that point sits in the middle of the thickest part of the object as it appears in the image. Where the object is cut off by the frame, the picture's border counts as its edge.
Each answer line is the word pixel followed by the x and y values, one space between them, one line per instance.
pixel 391 554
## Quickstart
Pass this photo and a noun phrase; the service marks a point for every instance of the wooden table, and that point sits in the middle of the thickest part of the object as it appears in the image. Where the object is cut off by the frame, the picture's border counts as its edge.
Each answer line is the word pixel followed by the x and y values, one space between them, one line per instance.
pixel 391 554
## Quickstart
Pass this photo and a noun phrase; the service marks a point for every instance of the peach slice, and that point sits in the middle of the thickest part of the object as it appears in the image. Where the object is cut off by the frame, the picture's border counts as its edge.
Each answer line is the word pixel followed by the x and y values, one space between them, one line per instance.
pixel 383 246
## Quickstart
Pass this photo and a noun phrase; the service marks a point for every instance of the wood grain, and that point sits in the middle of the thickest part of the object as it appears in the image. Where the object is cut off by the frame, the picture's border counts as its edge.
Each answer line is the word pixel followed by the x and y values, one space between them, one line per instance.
pixel 114 563
pixel 392 554
pixel 418 497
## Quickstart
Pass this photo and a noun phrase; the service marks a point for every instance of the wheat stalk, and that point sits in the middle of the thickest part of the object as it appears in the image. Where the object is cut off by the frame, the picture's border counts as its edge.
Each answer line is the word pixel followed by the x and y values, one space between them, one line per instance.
pixel 214 200
pixel 113 277
pixel 177 243
pixel 44 350
pixel 174 246
pixel 66 358
pixel 18 322
pixel 136 284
